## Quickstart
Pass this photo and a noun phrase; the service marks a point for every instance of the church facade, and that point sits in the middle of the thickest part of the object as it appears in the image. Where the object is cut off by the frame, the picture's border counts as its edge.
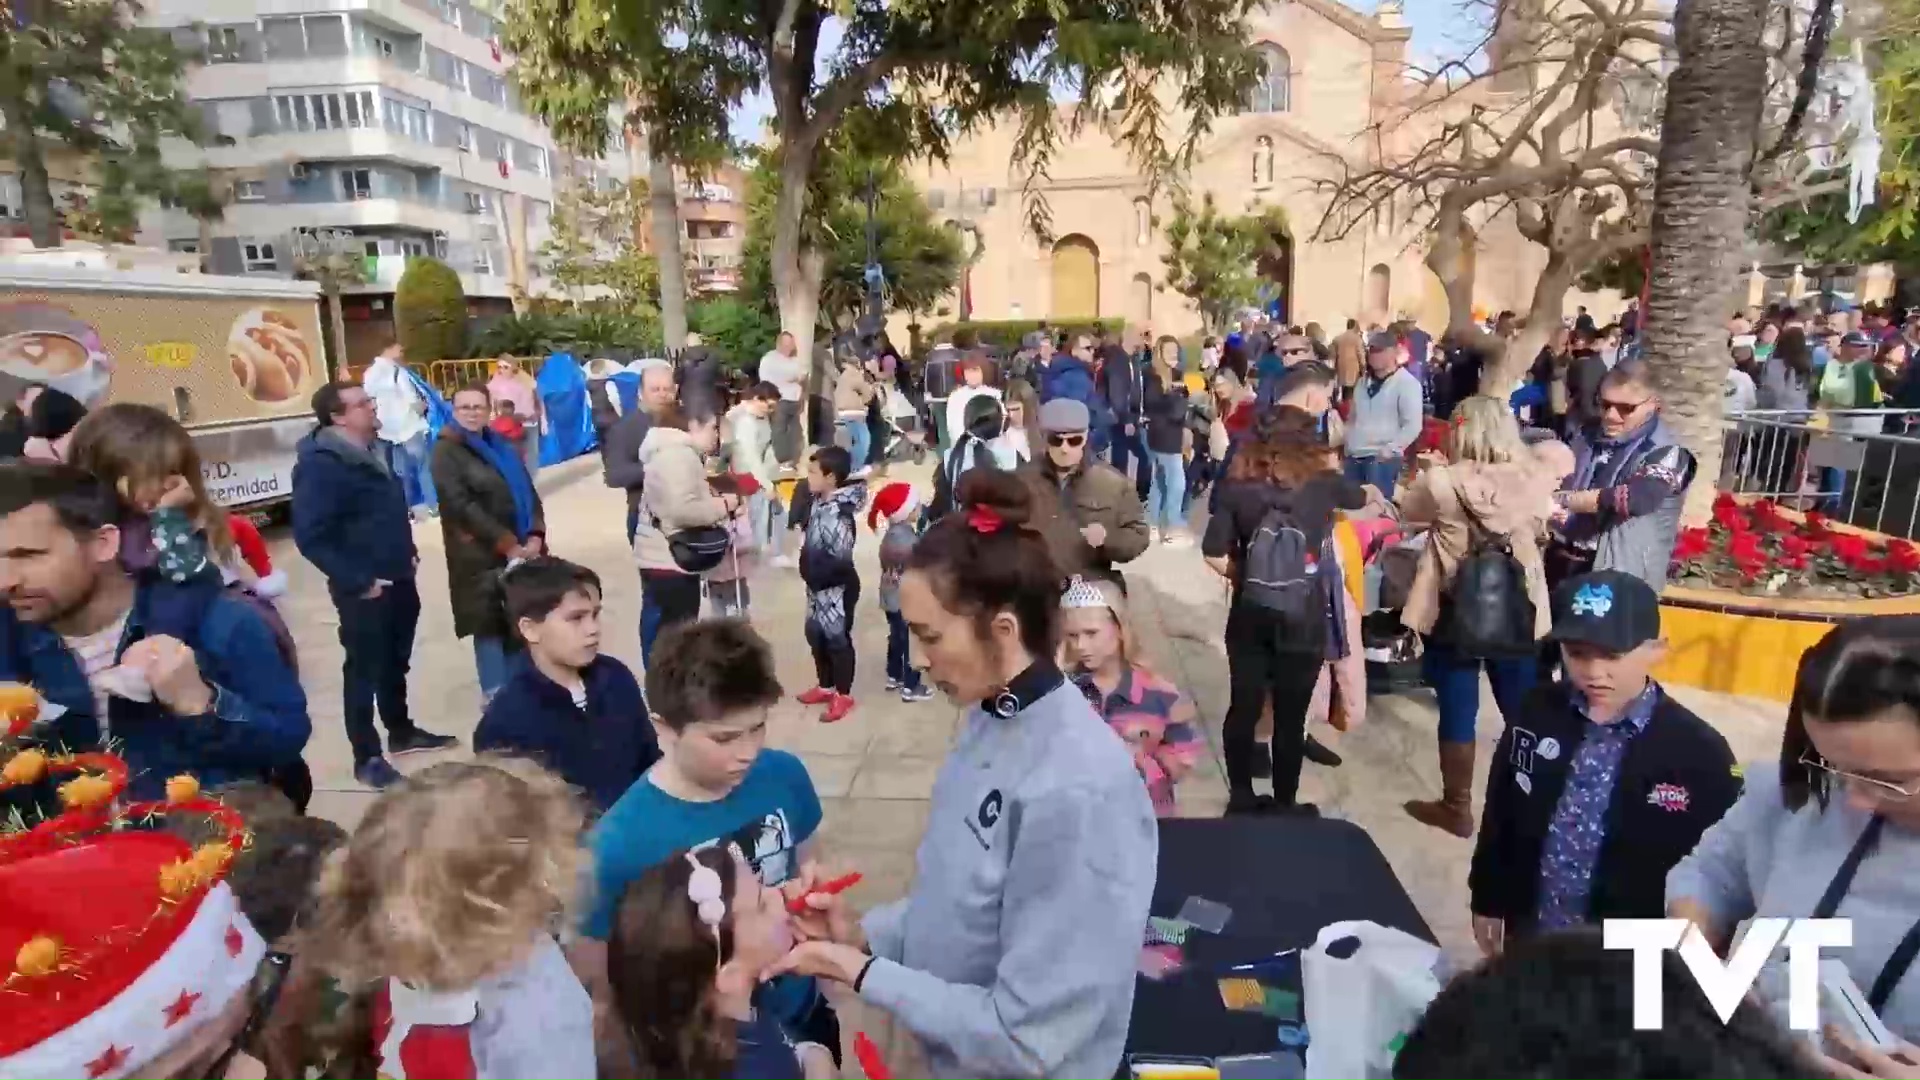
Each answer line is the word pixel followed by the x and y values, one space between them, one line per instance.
pixel 1335 89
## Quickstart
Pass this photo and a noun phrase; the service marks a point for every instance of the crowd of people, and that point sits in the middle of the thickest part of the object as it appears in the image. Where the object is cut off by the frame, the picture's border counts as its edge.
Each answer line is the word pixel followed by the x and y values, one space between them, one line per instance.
pixel 628 881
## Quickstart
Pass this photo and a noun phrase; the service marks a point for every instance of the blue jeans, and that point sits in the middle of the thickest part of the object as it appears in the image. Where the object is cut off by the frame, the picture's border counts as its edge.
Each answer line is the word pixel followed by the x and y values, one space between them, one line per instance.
pixel 1382 473
pixel 1456 682
pixel 899 655
pixel 858 440
pixel 763 517
pixel 1124 444
pixel 1169 493
pixel 409 462
pixel 490 659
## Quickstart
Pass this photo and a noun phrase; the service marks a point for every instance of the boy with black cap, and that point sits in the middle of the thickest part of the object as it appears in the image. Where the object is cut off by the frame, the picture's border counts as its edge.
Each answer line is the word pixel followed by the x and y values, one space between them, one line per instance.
pixel 1602 783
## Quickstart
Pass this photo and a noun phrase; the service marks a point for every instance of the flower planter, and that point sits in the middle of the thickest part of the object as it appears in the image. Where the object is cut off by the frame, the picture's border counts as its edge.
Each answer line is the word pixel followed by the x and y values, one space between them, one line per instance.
pixel 1761 584
pixel 1723 641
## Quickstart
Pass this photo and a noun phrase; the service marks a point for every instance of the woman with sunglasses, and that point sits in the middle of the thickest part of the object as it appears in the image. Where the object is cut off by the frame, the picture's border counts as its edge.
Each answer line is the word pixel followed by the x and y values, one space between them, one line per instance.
pixel 1833 829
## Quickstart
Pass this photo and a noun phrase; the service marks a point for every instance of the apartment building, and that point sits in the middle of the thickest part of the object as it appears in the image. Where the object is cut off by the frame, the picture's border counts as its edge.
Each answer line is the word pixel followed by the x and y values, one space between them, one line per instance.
pixel 390 118
pixel 713 214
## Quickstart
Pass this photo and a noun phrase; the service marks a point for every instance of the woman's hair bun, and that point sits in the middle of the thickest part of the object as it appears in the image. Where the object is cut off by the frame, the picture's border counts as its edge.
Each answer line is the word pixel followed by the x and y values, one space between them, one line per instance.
pixel 997 490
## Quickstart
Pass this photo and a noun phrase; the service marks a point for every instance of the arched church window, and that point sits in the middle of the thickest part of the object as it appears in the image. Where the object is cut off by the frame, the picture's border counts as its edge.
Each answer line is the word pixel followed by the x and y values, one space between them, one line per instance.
pixel 1263 160
pixel 1274 92
pixel 1142 221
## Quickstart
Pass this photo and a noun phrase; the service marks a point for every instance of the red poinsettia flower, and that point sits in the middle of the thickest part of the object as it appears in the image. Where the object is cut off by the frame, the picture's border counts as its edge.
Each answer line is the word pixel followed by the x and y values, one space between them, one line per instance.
pixel 1848 548
pixel 1729 516
pixel 1793 546
pixel 1691 544
pixel 1903 557
pixel 1816 524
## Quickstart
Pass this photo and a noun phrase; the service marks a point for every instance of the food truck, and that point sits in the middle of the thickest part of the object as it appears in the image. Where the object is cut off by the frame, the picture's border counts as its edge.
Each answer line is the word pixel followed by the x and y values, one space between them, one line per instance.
pixel 234 359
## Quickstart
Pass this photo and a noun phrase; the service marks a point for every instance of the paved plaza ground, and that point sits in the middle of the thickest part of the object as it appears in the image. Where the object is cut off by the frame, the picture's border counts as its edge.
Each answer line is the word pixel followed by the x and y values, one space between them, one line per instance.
pixel 875 769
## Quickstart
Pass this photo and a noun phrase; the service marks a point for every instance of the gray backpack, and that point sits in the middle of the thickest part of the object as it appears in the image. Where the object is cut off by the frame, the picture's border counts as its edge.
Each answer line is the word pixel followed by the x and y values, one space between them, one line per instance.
pixel 1282 576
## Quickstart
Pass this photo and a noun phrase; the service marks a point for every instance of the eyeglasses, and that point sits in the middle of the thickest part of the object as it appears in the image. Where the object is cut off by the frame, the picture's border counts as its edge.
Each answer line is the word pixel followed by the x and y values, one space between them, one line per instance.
pixel 1622 408
pixel 1884 789
pixel 1067 440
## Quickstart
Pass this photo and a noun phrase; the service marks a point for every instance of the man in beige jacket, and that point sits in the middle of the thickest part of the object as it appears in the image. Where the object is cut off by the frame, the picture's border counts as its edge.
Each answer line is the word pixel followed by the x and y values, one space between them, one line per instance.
pixel 1349 356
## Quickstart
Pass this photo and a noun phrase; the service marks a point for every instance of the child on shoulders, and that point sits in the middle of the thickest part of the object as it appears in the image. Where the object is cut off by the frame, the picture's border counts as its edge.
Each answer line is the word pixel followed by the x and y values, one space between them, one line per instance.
pixel 575 710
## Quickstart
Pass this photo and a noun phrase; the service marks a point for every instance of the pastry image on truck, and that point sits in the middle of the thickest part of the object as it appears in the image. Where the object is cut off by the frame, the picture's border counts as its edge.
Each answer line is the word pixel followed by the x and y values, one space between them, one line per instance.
pixel 234 359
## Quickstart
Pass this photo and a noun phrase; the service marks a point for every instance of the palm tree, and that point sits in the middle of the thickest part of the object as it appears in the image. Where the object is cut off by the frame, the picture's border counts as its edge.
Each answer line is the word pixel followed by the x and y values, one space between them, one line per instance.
pixel 333 258
pixel 205 195
pixel 1701 199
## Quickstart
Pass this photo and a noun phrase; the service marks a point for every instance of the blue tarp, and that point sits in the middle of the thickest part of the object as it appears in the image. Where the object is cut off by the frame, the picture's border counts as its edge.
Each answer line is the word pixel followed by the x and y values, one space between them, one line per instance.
pixel 563 391
pixel 627 385
pixel 439 412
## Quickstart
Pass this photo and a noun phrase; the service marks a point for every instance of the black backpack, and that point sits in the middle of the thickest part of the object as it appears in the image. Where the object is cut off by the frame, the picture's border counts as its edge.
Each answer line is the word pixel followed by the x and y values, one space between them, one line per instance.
pixel 1282 576
pixel 1488 614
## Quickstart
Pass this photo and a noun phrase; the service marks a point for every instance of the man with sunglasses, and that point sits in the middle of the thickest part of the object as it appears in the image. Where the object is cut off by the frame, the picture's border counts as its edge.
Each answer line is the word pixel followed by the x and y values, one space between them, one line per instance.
pixel 1620 508
pixel 1290 351
pixel 1089 513
pixel 1601 784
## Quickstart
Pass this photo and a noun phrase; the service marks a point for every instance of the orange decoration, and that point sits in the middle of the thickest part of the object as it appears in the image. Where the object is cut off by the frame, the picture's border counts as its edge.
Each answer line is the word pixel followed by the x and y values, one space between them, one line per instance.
pixel 86 792
pixel 25 767
pixel 182 788
pixel 19 708
pixel 178 879
pixel 210 859
pixel 39 956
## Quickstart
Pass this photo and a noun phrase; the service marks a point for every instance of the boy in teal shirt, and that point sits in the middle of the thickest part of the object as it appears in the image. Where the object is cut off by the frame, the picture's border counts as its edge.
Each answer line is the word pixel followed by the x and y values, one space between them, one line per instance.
pixel 710 686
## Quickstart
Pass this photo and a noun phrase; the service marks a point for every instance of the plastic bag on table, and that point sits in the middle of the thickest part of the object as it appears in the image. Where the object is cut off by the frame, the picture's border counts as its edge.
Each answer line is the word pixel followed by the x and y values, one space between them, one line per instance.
pixel 1364 985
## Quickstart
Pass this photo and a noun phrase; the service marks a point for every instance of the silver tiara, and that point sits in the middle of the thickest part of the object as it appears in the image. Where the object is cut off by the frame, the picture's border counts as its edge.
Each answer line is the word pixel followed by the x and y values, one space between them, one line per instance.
pixel 1082 593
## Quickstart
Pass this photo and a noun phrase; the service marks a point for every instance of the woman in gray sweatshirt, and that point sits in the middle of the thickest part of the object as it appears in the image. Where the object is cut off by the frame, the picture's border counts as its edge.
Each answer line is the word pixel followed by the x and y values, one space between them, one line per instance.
pixel 1014 955
pixel 1832 830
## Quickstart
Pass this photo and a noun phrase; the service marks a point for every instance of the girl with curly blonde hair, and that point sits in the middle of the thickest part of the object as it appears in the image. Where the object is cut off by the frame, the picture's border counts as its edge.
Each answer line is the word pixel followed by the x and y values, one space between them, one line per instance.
pixel 438 917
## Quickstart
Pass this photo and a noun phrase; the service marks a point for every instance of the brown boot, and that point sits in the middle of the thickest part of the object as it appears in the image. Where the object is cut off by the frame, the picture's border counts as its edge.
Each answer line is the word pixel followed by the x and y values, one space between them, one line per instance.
pixel 1454 811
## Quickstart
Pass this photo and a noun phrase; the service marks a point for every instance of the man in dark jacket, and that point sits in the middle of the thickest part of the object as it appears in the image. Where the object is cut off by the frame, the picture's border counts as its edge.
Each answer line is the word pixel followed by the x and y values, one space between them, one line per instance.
pixel 620 447
pixel 350 520
pixel 210 693
pixel 1070 375
pixel 1120 384
pixel 1601 784
pixel 1585 369
pixel 700 375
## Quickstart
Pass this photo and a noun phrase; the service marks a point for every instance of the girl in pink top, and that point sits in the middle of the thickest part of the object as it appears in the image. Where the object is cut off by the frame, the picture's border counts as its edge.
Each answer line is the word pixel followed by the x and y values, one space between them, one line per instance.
pixel 1157 721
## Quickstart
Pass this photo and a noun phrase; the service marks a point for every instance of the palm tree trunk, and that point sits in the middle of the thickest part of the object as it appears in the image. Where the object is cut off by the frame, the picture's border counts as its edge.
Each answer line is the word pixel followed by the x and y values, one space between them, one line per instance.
pixel 1700 207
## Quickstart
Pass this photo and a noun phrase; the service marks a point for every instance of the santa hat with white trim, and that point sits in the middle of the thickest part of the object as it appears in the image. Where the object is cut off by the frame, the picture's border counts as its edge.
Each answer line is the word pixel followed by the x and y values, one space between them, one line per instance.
pixel 117 941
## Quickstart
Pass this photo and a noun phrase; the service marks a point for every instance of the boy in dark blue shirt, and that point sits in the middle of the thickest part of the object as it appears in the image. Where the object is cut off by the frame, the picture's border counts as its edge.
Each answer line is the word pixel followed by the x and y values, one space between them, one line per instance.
pixel 575 711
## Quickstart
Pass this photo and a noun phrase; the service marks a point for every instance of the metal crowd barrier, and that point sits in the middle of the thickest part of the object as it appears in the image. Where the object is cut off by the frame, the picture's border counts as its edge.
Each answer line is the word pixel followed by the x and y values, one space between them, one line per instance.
pixel 1858 466
pixel 447 376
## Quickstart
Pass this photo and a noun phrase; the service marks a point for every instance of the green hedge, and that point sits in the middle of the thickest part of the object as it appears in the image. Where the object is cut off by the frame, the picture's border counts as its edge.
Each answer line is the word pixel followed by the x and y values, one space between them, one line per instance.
pixel 430 312
pixel 1007 333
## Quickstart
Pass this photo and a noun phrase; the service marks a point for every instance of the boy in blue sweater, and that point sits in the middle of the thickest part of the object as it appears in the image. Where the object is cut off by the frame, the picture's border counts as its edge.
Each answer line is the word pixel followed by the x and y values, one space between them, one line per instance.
pixel 575 711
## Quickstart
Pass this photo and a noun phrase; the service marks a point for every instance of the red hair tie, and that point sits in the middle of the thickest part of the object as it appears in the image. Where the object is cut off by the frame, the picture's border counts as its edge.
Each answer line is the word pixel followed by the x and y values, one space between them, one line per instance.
pixel 984 520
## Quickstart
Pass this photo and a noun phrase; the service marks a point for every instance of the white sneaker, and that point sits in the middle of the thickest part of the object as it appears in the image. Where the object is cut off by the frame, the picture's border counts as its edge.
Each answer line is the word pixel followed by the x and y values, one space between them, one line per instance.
pixel 782 562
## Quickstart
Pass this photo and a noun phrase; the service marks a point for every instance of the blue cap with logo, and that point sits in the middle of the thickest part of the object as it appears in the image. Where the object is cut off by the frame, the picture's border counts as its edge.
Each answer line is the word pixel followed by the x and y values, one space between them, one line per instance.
pixel 1606 609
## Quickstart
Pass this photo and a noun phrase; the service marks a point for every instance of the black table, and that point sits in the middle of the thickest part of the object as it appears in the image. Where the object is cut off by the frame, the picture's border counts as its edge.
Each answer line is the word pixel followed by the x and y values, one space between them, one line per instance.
pixel 1285 878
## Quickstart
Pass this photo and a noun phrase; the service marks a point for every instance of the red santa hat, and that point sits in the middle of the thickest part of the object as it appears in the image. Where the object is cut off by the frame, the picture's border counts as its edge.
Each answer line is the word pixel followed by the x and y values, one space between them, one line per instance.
pixel 116 942
pixel 896 502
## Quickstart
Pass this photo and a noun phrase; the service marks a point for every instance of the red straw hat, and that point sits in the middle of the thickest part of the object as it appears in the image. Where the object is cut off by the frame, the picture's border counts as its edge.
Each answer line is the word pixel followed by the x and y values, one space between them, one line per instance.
pixel 116 941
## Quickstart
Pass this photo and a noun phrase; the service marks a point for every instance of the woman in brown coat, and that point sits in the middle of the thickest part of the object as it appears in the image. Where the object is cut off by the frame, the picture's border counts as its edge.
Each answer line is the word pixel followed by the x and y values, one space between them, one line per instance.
pixel 1491 483
pixel 490 514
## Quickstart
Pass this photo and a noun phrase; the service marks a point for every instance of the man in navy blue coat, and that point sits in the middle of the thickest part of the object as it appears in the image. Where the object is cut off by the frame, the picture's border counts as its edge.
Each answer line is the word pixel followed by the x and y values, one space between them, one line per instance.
pixel 350 520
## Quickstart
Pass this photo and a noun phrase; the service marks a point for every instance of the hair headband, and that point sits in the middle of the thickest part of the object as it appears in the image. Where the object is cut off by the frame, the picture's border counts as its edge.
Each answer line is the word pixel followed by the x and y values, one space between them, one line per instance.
pixel 709 900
